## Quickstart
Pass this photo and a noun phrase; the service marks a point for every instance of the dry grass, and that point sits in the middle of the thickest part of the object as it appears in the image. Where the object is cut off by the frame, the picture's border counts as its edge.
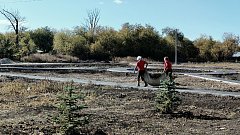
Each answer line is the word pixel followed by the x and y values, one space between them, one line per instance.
pixel 49 58
pixel 130 59
pixel 221 65
pixel 19 94
pixel 27 100
pixel 19 88
pixel 22 93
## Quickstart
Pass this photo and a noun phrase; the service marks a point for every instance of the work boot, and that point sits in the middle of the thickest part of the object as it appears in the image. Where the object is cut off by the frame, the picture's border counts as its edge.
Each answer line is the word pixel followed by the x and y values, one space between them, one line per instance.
pixel 145 84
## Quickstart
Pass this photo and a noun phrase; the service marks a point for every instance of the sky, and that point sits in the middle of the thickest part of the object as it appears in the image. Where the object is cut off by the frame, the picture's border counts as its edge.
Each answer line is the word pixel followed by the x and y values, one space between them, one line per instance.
pixel 193 18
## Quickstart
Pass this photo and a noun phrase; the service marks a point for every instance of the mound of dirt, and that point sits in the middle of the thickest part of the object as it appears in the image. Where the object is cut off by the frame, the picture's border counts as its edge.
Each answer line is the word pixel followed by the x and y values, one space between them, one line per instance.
pixel 6 61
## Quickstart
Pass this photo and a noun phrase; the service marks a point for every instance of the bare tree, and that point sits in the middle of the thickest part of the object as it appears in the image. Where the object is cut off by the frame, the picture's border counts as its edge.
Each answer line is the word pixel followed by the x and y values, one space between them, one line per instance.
pixel 15 19
pixel 91 24
pixel 92 20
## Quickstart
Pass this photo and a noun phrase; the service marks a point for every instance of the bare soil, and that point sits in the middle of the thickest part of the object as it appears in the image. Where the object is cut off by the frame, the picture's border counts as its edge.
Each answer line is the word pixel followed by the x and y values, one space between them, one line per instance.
pixel 26 107
pixel 182 81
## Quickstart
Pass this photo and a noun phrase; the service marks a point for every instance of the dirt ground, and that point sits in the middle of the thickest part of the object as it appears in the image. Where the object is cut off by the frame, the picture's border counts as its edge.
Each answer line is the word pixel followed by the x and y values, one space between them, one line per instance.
pixel 26 107
pixel 182 81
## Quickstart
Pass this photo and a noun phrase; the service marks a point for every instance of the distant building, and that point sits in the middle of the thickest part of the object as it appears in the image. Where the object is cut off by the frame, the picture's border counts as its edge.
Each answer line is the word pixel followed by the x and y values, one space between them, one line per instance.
pixel 236 55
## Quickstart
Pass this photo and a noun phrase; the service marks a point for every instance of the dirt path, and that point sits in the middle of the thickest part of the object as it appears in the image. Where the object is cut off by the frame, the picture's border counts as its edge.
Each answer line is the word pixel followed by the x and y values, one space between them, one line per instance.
pixel 109 79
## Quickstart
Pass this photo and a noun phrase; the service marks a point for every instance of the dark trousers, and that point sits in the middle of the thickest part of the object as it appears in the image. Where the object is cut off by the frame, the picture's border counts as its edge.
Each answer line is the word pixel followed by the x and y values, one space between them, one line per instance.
pixel 168 73
pixel 141 74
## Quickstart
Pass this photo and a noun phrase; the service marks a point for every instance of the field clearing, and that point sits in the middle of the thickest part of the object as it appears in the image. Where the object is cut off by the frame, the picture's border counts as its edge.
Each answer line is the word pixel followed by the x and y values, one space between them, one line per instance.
pixel 27 104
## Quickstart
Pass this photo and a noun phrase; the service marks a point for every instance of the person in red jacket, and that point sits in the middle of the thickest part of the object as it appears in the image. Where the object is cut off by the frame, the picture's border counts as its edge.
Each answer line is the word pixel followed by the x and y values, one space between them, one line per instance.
pixel 141 67
pixel 168 67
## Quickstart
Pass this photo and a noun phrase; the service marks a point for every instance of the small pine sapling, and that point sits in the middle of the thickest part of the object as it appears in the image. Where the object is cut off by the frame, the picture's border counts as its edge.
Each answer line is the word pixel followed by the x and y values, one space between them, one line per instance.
pixel 69 107
pixel 166 99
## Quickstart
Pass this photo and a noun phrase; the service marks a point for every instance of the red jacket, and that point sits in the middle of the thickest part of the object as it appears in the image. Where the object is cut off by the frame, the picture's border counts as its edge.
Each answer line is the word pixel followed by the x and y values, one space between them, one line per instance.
pixel 140 65
pixel 167 65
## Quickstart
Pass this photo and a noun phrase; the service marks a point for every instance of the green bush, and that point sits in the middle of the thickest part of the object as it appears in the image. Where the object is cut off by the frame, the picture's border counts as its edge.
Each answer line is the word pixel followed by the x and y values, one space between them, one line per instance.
pixel 166 99
pixel 69 107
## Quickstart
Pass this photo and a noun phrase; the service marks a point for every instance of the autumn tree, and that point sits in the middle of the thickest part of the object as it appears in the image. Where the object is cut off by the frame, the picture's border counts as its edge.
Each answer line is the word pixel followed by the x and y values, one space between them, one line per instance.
pixel 106 45
pixel 211 50
pixel 229 45
pixel 173 33
pixel 81 31
pixel 6 47
pixel 68 43
pixel 174 38
pixel 187 51
pixel 205 45
pixel 126 38
pixel 140 40
pixel 43 38
pixel 217 52
pixel 27 46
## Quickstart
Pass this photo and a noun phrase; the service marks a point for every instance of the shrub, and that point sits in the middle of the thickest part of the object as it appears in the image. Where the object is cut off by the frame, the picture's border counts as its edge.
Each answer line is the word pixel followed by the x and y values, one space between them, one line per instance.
pixel 166 99
pixel 69 117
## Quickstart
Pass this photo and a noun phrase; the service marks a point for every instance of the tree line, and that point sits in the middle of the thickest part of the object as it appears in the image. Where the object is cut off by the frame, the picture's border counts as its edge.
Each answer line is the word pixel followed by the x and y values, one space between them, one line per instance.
pixel 91 41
